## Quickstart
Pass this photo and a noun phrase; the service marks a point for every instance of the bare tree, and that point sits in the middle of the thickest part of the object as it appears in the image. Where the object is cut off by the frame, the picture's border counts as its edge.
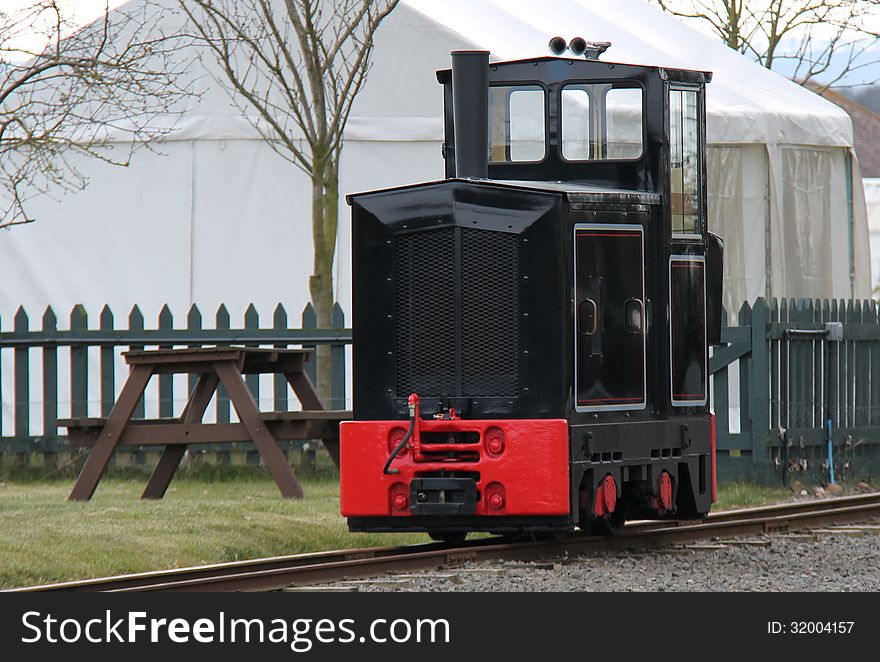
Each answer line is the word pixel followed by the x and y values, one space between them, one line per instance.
pixel 101 90
pixel 805 39
pixel 294 68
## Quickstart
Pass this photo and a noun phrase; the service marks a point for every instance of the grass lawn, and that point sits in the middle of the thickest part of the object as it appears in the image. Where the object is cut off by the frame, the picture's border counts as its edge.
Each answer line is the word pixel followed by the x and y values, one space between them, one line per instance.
pixel 747 495
pixel 46 538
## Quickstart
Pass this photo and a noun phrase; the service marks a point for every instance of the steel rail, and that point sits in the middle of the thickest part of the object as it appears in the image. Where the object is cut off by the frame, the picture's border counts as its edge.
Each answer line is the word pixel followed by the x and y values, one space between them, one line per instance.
pixel 303 569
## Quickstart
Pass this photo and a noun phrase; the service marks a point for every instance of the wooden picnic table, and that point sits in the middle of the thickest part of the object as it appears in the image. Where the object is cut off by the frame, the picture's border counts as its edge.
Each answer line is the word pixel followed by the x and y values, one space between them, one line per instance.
pixel 214 366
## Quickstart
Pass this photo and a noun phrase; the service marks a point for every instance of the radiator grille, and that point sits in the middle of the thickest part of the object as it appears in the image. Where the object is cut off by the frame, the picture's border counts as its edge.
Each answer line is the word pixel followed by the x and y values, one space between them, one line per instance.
pixel 490 313
pixel 425 277
pixel 478 272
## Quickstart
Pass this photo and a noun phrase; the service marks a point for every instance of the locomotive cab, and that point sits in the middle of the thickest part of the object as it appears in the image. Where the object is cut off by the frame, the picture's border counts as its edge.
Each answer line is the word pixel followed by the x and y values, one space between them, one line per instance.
pixel 531 333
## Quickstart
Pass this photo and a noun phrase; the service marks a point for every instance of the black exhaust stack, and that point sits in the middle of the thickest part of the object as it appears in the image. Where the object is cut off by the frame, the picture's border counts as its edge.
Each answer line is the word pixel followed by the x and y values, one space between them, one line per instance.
pixel 470 110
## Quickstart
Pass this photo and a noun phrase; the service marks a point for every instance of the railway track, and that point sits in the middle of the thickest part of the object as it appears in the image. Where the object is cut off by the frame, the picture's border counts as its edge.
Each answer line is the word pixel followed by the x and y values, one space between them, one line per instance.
pixel 304 569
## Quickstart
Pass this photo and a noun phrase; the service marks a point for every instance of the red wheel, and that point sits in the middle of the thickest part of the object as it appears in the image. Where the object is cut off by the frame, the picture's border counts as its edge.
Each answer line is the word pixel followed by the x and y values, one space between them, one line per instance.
pixel 664 493
pixel 610 513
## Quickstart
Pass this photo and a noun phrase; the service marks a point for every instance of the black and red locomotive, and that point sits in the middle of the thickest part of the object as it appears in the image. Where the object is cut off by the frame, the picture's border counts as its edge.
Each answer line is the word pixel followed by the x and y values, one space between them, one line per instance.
pixel 531 333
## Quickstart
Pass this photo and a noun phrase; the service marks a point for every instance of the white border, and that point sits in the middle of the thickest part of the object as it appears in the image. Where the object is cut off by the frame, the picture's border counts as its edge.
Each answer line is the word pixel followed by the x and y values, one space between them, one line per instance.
pixel 620 228
pixel 688 403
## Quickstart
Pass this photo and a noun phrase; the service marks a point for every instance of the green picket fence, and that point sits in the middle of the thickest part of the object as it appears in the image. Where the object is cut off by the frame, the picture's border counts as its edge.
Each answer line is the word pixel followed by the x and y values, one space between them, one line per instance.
pixel 808 372
pixel 108 340
pixel 791 371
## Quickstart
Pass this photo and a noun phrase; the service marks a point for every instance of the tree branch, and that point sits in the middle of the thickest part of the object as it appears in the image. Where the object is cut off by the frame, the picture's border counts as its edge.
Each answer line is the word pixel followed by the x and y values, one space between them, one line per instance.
pixel 118 79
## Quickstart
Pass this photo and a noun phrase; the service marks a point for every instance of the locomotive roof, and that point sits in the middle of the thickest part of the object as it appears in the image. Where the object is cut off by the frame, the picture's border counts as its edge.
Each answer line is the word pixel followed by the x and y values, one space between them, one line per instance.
pixel 583 67
pixel 574 192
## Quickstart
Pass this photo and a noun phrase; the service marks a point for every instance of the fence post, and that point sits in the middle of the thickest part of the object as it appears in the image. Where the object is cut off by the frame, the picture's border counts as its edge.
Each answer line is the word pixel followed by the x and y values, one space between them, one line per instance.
pixel 834 399
pixel 818 382
pixel 22 388
pixel 50 389
pixel 222 322
pixel 861 365
pixel 337 362
pixel 279 323
pixel 79 367
pixel 310 321
pixel 108 368
pixel 848 420
pixel 136 323
pixel 252 323
pixel 760 382
pixel 193 323
pixel 744 319
pixel 800 365
pixel 775 415
pixel 721 393
pixel 874 344
pixel 166 382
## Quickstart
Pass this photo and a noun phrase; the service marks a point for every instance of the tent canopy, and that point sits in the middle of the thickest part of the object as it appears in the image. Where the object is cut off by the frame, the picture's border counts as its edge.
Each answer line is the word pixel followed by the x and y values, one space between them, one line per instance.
pixel 215 178
pixel 746 103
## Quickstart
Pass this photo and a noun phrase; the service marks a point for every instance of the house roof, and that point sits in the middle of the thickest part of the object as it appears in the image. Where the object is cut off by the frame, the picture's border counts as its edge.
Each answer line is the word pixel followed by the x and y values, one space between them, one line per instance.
pixel 866 127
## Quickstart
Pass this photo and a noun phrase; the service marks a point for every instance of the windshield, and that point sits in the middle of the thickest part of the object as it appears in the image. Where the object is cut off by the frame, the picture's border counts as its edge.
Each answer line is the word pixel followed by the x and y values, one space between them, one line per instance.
pixel 602 121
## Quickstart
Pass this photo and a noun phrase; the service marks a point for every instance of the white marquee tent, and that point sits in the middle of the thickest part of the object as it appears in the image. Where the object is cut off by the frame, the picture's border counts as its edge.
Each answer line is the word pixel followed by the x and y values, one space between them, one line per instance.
pixel 219 217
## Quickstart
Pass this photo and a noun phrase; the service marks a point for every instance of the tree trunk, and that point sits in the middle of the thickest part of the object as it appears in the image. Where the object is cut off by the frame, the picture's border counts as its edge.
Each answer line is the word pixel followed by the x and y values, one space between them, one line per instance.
pixel 325 219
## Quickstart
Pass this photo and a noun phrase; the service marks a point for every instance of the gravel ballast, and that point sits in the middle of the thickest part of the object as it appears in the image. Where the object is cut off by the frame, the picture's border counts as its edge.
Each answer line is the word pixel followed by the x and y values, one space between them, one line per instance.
pixel 846 560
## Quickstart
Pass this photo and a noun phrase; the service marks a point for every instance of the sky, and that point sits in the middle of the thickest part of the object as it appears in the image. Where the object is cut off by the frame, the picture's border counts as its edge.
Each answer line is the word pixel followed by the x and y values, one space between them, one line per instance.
pixel 872 22
pixel 79 12
pixel 871 58
pixel 83 10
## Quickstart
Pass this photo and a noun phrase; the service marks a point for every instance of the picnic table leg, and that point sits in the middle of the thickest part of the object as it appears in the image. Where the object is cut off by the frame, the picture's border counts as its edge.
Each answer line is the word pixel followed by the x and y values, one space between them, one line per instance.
pixel 248 412
pixel 170 459
pixel 305 391
pixel 107 441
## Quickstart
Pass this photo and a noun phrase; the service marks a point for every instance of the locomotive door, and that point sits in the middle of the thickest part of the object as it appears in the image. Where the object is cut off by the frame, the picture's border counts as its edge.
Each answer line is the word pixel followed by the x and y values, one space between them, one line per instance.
pixel 687 330
pixel 609 333
pixel 688 379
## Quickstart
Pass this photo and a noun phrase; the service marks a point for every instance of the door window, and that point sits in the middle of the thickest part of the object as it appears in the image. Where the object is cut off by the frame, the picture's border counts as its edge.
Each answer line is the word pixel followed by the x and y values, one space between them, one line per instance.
pixel 684 166
pixel 610 317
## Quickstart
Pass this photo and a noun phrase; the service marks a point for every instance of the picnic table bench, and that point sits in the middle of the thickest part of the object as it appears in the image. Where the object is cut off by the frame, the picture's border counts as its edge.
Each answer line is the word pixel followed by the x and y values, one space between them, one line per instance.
pixel 214 366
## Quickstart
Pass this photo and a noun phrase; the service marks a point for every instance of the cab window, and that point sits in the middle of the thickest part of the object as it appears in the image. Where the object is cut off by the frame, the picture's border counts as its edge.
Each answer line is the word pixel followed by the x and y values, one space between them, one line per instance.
pixel 516 123
pixel 602 121
pixel 684 155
